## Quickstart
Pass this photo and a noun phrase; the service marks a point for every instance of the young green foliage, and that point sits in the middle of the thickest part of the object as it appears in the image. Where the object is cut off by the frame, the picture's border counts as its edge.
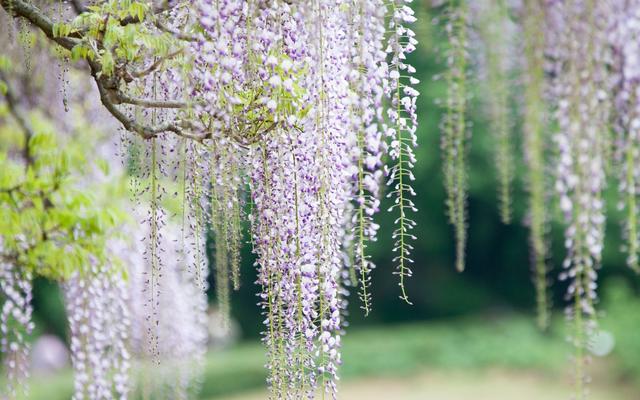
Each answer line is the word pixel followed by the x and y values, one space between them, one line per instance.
pixel 51 228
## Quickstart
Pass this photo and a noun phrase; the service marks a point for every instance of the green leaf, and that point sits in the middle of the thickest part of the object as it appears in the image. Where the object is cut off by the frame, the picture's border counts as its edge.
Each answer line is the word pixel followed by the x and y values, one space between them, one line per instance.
pixel 81 51
pixel 107 63
pixel 103 165
pixel 5 63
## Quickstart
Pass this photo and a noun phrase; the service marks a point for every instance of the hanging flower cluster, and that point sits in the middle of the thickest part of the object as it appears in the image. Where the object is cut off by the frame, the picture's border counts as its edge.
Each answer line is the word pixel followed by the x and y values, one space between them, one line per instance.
pixel 15 327
pixel 454 125
pixel 580 73
pixel 181 324
pixel 535 128
pixel 368 57
pixel 404 123
pixel 97 311
pixel 293 97
pixel 624 38
pixel 497 32
pixel 581 92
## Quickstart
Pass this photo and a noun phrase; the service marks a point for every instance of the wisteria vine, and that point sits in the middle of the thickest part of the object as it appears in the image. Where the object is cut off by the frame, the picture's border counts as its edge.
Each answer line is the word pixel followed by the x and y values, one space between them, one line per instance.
pixel 281 96
pixel 497 33
pixel 455 128
pixel 579 74
pixel 535 127
pixel 288 117
pixel 15 326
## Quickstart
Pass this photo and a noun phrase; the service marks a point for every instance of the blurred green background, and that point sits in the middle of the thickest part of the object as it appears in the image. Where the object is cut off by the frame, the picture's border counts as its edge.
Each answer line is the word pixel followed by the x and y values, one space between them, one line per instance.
pixel 469 335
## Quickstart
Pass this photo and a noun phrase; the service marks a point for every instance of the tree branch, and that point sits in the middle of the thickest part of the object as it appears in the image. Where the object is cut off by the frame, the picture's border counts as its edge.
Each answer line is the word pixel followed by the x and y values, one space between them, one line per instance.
pixel 157 9
pixel 31 13
pixel 156 64
pixel 20 117
pixel 123 98
pixel 109 94
pixel 177 34
pixel 78 7
pixel 145 131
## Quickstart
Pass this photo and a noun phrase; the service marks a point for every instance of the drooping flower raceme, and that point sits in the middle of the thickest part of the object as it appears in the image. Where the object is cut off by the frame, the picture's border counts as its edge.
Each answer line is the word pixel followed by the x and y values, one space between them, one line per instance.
pixel 498 32
pixel 624 38
pixel 369 59
pixel 181 325
pixel 98 314
pixel 298 107
pixel 454 126
pixel 535 130
pixel 580 46
pixel 15 327
pixel 402 131
pixel 300 180
pixel 286 109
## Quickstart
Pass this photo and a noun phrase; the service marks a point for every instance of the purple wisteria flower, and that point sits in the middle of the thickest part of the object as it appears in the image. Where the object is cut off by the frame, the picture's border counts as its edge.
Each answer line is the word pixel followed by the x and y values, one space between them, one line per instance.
pixel 15 327
pixel 294 94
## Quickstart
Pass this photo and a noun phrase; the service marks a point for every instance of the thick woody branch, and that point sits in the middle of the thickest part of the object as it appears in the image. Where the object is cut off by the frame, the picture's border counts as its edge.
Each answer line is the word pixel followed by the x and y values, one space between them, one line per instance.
pixel 120 97
pixel 110 95
pixel 20 117
pixel 31 13
pixel 147 132
pixel 130 124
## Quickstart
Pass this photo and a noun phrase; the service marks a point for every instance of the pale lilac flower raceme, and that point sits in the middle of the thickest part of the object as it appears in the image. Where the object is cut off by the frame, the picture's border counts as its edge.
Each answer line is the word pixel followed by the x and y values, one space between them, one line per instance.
pixel 402 132
pixel 535 132
pixel 15 327
pixel 579 39
pixel 454 126
pixel 98 314
pixel 624 37
pixel 369 59
pixel 294 107
pixel 181 325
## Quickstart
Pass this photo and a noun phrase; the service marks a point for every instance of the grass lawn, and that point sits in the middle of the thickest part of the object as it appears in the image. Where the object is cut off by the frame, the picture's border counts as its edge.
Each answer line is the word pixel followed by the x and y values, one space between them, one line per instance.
pixel 493 384
pixel 478 358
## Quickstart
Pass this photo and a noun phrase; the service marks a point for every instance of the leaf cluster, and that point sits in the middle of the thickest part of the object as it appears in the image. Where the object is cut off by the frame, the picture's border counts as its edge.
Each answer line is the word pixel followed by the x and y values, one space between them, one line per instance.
pixel 116 33
pixel 253 115
pixel 48 224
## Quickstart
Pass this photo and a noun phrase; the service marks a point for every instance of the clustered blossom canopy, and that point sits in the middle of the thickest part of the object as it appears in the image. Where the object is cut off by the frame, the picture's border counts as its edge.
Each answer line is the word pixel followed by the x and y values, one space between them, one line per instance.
pixel 289 115
pixel 289 107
